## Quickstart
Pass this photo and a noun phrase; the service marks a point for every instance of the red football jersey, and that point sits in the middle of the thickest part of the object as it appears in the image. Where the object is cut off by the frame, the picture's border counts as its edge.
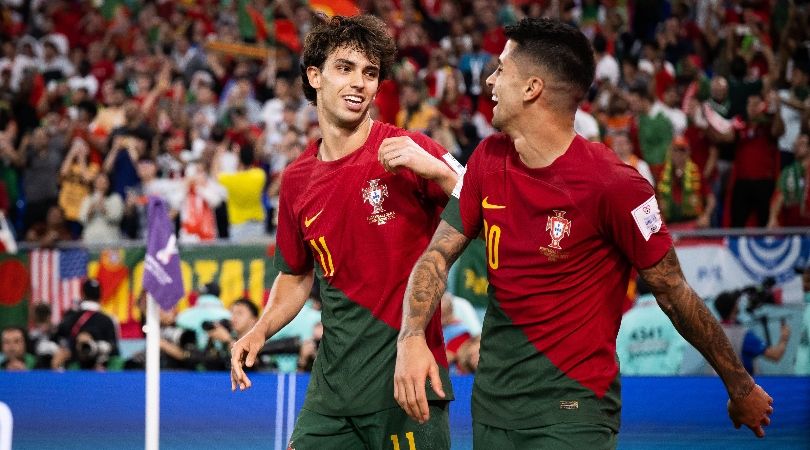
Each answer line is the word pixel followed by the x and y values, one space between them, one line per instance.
pixel 362 229
pixel 561 243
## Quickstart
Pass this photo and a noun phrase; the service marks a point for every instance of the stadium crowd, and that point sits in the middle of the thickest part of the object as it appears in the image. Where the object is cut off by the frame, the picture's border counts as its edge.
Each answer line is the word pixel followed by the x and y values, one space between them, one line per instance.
pixel 105 102
pixel 102 103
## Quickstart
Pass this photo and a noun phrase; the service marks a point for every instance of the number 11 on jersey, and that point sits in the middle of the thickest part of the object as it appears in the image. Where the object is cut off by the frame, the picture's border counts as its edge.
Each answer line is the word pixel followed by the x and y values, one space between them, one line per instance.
pixel 324 255
pixel 408 436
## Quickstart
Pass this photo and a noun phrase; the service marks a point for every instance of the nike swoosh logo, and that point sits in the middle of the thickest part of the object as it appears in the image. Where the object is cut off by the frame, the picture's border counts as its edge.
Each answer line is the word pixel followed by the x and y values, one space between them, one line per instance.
pixel 486 205
pixel 308 222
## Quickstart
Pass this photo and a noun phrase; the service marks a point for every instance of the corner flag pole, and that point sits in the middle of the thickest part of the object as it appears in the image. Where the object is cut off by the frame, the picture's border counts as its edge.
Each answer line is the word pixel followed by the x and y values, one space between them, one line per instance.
pixel 163 282
pixel 152 375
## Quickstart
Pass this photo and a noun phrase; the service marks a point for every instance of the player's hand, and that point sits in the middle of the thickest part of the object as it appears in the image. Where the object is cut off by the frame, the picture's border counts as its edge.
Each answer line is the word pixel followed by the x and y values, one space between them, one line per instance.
pixel 415 363
pixel 402 151
pixel 752 411
pixel 244 351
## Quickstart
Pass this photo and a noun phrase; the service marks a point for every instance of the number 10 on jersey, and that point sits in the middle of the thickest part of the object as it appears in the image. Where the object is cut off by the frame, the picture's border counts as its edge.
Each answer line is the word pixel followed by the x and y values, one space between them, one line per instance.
pixel 324 255
pixel 492 235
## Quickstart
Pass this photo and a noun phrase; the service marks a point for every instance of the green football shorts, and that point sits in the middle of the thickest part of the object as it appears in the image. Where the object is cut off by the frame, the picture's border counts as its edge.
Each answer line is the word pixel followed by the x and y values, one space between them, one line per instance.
pixel 390 429
pixel 562 436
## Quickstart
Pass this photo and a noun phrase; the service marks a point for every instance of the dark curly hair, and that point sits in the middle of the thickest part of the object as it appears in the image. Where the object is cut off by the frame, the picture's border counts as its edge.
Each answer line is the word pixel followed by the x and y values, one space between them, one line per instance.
pixel 558 48
pixel 365 33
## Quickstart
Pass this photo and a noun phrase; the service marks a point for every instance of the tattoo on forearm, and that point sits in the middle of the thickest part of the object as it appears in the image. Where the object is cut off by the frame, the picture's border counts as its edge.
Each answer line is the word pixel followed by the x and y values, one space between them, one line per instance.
pixel 428 279
pixel 696 324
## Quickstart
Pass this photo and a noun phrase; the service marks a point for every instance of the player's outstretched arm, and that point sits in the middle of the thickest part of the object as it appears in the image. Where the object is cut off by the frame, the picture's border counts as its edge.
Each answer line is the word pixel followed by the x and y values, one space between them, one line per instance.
pixel 402 151
pixel 748 403
pixel 287 297
pixel 426 285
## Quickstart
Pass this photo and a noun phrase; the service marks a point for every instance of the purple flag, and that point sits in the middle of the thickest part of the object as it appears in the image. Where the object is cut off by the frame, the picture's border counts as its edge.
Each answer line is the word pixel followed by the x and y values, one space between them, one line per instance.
pixel 161 275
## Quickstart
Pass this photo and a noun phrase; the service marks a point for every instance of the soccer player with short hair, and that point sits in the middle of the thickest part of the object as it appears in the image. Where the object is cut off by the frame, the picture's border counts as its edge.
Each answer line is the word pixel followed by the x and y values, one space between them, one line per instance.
pixel 358 207
pixel 565 222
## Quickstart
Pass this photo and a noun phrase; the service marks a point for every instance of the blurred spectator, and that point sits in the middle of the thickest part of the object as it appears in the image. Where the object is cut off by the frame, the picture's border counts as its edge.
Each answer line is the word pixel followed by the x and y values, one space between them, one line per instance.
pixel 791 203
pixel 756 162
pixel 586 126
pixel 128 143
pixel 747 344
pixel 88 337
pixel 16 356
pixel 648 343
pixel 415 113
pixel 203 196
pixel 458 330
pixel 134 80
pixel 207 309
pixel 655 130
pixel 51 231
pixel 468 354
pixel 607 68
pixel 222 334
pixel 616 119
pixel 42 156
pixel 42 336
pixel 624 150
pixel 76 178
pixel 178 346
pixel 792 107
pixel 101 212
pixel 245 188
pixel 683 194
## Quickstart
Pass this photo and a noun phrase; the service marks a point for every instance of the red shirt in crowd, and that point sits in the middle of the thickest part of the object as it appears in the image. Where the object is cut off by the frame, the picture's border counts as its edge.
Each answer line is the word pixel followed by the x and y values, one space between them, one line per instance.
pixel 757 156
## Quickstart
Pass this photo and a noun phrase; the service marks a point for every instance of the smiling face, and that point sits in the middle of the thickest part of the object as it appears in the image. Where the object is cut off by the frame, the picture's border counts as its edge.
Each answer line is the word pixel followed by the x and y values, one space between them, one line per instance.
pixel 506 84
pixel 345 86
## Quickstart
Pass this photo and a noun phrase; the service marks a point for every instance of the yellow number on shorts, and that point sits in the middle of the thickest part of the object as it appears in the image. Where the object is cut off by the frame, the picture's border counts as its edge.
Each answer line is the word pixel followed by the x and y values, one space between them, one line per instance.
pixel 492 234
pixel 408 437
pixel 324 255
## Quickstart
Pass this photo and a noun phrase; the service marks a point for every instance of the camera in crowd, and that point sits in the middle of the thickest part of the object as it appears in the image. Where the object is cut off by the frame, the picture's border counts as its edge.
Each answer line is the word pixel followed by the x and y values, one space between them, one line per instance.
pixel 765 294
pixel 92 353
pixel 180 337
pixel 209 325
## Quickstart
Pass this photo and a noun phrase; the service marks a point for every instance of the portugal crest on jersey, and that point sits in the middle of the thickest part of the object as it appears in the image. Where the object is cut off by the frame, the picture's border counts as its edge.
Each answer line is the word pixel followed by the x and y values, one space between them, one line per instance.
pixel 374 195
pixel 558 227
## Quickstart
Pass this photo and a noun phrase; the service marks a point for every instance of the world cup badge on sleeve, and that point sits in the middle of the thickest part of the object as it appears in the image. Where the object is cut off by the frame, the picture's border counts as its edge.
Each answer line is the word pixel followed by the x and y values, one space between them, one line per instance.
pixel 374 195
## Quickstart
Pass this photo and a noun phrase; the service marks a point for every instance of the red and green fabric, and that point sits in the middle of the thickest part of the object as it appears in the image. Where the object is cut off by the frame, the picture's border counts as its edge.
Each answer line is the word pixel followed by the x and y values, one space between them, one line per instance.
pixel 562 241
pixel 362 229
pixel 14 284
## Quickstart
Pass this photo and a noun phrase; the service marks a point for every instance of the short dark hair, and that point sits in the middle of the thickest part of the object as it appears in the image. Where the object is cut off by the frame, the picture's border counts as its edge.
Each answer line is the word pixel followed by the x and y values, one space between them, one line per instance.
pixel 91 290
pixel 365 33
pixel 254 310
pixel 247 155
pixel 559 48
pixel 22 331
pixel 725 303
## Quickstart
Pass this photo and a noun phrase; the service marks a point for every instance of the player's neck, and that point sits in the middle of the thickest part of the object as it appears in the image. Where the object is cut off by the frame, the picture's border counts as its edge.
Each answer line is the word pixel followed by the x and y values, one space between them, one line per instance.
pixel 540 146
pixel 338 142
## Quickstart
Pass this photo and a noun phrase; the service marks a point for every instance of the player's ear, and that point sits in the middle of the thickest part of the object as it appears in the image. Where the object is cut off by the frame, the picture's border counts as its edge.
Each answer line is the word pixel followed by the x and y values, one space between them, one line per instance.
pixel 314 77
pixel 533 88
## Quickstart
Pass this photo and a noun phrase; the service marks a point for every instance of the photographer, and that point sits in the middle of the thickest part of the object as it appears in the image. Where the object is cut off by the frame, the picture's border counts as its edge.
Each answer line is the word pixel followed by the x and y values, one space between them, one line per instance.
pixel 14 351
pixel 223 333
pixel 747 344
pixel 88 338
pixel 178 346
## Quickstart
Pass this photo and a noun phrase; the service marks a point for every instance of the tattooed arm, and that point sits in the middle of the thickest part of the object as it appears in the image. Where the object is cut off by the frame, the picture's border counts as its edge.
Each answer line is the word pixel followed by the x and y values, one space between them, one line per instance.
pixel 748 403
pixel 426 285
